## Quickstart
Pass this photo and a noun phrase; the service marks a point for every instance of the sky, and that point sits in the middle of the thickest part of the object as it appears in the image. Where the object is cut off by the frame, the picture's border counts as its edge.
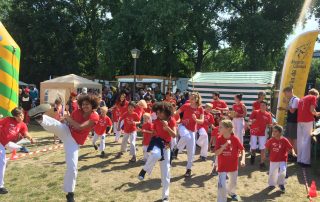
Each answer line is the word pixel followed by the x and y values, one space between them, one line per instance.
pixel 311 24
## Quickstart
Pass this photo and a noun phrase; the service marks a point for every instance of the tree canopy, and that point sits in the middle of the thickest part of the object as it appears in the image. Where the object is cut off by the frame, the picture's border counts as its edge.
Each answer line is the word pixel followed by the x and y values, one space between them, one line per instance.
pixel 176 37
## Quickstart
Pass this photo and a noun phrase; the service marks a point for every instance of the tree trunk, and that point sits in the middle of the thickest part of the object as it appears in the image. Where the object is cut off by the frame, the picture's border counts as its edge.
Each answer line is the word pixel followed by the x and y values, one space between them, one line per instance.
pixel 199 60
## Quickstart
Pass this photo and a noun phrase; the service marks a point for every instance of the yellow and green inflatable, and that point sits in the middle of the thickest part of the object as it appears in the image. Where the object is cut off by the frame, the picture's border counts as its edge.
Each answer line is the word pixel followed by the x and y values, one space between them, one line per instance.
pixel 9 72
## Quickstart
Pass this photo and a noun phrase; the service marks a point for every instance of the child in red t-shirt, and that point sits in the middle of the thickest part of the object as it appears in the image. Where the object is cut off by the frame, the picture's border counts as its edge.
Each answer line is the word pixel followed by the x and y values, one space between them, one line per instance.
pixel 278 147
pixel 147 132
pixel 10 128
pixel 100 130
pixel 203 131
pixel 228 148
pixel 130 121
pixel 164 131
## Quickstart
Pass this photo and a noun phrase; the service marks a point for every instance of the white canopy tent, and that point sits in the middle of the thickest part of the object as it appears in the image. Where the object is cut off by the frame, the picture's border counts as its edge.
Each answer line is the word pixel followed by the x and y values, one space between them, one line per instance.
pixel 64 85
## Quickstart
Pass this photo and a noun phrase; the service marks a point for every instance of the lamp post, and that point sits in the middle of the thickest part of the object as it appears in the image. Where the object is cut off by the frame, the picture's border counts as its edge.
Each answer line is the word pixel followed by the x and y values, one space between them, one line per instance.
pixel 135 55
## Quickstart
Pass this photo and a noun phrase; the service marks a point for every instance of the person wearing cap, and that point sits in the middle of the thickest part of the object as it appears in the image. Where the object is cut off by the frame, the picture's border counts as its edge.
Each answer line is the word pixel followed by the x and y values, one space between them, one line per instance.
pixel 203 129
pixel 26 104
pixel 148 93
pixel 84 91
pixel 72 104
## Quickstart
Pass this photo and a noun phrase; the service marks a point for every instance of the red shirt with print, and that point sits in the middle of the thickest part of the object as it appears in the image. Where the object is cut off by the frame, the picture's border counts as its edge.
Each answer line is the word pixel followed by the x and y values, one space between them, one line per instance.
pixel 80 136
pixel 160 132
pixel 304 113
pixel 262 119
pixel 228 159
pixel 115 114
pixel 128 122
pixel 123 108
pixel 208 120
pixel 139 111
pixel 278 149
pixel 147 136
pixel 187 119
pixel 101 126
pixel 10 129
pixel 239 108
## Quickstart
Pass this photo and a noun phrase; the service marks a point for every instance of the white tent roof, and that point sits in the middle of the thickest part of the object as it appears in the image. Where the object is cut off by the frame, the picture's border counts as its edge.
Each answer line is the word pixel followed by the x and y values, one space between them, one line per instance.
pixel 72 79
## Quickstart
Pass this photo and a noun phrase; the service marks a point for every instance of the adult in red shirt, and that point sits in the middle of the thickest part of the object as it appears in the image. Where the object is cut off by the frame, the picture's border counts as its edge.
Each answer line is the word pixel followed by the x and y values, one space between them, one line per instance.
pixel 72 104
pixel 118 110
pixel 219 106
pixel 228 147
pixel 80 123
pixel 130 120
pixel 10 129
pixel 164 130
pixel 239 113
pixel 278 147
pixel 203 129
pixel 192 115
pixel 256 104
pixel 260 120
pixel 169 98
pixel 100 130
pixel 306 112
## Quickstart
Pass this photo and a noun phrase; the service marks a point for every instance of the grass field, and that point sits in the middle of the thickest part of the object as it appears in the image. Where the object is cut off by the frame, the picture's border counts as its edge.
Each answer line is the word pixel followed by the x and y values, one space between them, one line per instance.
pixel 40 178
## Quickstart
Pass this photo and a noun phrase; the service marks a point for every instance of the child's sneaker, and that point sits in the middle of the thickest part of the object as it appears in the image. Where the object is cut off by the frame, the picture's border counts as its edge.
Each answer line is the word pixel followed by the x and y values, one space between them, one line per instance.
pixel 188 173
pixel 262 166
pixel 282 188
pixel 252 158
pixel 95 146
pixel 165 200
pixel 271 187
pixel 175 153
pixel 38 111
pixel 3 190
pixel 119 155
pixel 142 174
pixel 23 149
pixel 102 155
pixel 234 197
pixel 133 159
pixel 214 172
pixel 202 158
pixel 70 197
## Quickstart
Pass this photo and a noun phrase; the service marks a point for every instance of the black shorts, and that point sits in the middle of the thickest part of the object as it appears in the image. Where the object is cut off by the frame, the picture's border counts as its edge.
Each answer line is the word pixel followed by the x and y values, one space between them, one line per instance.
pixel 291 130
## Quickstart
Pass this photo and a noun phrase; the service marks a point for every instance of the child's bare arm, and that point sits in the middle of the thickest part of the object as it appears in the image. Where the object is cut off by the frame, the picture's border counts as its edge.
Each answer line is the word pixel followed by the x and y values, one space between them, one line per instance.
pixel 243 158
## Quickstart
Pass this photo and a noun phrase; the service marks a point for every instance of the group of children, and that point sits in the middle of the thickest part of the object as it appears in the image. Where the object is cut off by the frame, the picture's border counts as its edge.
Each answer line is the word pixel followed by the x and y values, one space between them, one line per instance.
pixel 167 131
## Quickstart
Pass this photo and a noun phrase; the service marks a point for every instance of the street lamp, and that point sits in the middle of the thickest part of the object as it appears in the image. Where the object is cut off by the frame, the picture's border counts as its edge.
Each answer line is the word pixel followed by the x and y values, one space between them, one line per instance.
pixel 135 55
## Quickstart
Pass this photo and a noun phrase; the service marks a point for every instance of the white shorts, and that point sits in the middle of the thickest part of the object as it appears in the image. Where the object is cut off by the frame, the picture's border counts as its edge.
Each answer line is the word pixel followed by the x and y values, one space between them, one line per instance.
pixel 258 142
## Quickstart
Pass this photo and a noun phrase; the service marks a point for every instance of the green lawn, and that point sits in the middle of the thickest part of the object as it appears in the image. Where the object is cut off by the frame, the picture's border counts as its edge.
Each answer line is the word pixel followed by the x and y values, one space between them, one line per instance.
pixel 40 178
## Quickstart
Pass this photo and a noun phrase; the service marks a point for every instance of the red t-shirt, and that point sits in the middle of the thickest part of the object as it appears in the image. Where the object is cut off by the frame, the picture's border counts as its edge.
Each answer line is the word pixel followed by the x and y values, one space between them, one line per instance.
pixel 219 104
pixel 304 113
pixel 128 126
pixel 160 132
pixel 256 105
pixel 139 111
pixel 103 123
pixel 171 101
pixel 239 109
pixel 187 119
pixel 74 105
pixel 215 132
pixel 123 109
pixel 10 129
pixel 147 136
pixel 208 120
pixel 176 117
pixel 278 149
pixel 81 136
pixel 228 159
pixel 262 119
pixel 115 114
pixel 149 108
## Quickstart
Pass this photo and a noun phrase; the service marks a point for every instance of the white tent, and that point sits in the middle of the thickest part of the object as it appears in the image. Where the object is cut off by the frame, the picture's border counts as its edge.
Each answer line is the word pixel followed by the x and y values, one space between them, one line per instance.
pixel 64 85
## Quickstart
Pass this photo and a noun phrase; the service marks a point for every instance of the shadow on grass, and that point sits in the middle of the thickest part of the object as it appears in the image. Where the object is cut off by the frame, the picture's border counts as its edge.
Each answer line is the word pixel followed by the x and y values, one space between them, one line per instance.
pixel 144 186
pixel 265 194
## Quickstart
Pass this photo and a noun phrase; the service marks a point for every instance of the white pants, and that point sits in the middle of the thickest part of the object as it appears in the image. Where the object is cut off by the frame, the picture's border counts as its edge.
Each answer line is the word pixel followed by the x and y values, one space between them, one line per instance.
pixel 116 131
pixel 3 160
pixel 203 142
pixel 238 127
pixel 124 143
pixel 187 140
pixel 154 156
pixel 304 142
pixel 173 143
pixel 145 153
pixel 71 149
pixel 254 142
pixel 277 173
pixel 102 145
pixel 223 188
